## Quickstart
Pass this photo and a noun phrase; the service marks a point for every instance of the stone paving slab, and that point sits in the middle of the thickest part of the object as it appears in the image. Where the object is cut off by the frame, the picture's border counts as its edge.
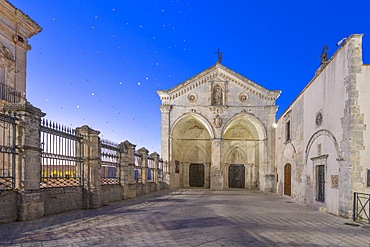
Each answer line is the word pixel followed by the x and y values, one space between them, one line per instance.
pixel 191 217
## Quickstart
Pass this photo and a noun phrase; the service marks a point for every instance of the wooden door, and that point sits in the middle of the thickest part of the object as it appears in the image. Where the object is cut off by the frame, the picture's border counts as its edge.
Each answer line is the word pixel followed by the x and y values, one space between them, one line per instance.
pixel 287 179
pixel 236 176
pixel 196 175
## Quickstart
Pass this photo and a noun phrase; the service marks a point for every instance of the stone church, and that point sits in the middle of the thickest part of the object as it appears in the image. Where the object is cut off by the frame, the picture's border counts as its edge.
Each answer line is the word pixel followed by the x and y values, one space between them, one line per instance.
pixel 219 131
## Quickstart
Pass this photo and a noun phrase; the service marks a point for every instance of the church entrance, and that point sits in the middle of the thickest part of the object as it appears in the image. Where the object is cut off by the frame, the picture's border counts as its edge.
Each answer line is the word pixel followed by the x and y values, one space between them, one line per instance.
pixel 196 175
pixel 236 176
pixel 287 179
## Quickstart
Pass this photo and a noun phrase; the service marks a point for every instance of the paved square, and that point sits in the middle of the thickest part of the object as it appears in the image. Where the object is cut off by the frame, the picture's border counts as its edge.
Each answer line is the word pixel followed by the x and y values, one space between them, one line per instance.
pixel 191 217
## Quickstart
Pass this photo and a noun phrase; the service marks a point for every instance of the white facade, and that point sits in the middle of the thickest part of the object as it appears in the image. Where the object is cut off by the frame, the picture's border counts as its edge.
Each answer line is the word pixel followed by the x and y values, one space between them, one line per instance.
pixel 325 158
pixel 219 125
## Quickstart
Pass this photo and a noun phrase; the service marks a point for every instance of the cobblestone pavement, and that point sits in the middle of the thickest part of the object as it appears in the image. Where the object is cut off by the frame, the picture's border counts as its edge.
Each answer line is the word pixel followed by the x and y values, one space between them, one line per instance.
pixel 191 218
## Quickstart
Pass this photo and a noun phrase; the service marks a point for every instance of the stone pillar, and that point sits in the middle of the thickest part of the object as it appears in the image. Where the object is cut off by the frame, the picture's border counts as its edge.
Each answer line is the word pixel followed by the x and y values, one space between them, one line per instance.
pixel 216 178
pixel 155 156
pixel 123 168
pixel 28 163
pixel 144 169
pixel 165 141
pixel 129 171
pixel 91 166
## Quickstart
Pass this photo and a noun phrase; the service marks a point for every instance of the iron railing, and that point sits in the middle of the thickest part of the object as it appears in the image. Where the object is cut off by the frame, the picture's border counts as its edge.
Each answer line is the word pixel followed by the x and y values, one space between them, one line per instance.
pixel 9 94
pixel 160 170
pixel 361 207
pixel 61 156
pixel 7 150
pixel 150 169
pixel 138 168
pixel 110 162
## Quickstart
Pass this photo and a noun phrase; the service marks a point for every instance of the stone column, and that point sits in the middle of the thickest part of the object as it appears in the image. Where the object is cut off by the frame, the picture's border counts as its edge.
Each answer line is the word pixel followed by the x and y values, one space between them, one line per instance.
pixel 129 177
pixel 91 166
pixel 28 162
pixel 216 178
pixel 165 141
pixel 155 156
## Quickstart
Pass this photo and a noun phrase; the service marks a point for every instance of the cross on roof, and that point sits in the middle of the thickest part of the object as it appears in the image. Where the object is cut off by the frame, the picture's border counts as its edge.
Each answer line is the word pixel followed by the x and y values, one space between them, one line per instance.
pixel 219 53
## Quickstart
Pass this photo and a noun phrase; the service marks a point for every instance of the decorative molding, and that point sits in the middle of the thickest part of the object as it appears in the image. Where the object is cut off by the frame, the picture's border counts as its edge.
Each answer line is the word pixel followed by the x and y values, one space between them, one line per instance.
pixel 217 109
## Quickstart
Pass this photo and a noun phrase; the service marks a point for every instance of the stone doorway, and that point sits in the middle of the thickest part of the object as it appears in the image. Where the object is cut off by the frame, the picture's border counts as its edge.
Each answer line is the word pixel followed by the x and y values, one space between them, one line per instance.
pixel 236 176
pixel 288 180
pixel 196 175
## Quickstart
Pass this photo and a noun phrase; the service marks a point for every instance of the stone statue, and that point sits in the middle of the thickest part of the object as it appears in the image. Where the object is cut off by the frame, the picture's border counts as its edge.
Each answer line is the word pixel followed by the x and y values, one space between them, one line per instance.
pixel 324 54
pixel 217 95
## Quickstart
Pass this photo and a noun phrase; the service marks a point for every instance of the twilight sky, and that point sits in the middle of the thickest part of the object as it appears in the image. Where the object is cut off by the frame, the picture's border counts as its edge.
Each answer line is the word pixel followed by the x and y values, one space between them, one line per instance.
pixel 100 62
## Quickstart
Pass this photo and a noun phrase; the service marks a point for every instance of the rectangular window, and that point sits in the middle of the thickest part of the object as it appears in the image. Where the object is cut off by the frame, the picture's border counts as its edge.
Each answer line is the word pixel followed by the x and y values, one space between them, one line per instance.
pixel 287 132
pixel 368 178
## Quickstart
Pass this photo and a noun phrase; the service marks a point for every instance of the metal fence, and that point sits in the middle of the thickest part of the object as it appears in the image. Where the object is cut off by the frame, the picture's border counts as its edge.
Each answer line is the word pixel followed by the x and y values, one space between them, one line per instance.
pixel 361 207
pixel 61 157
pixel 138 167
pixel 110 162
pixel 7 150
pixel 151 169
pixel 160 170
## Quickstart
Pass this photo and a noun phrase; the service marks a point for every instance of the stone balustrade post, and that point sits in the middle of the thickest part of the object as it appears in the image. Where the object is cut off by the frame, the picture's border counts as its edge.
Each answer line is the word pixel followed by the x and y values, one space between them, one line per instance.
pixel 129 171
pixel 28 161
pixel 91 166
pixel 144 165
pixel 155 157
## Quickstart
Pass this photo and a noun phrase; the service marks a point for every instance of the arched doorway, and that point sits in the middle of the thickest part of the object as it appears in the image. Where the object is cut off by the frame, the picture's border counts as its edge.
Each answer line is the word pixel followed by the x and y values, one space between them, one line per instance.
pixel 288 180
pixel 243 152
pixel 191 151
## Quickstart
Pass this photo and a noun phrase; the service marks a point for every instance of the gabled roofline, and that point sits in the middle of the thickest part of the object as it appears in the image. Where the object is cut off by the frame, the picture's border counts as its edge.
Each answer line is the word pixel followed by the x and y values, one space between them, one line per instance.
pixel 319 71
pixel 189 83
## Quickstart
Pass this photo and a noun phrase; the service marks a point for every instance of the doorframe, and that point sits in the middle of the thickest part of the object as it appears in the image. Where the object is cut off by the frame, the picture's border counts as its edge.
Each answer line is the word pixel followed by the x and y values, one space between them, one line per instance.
pixel 290 179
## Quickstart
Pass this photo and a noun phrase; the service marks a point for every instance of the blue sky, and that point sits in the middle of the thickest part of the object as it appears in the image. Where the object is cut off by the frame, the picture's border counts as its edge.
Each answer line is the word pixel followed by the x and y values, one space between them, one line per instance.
pixel 100 62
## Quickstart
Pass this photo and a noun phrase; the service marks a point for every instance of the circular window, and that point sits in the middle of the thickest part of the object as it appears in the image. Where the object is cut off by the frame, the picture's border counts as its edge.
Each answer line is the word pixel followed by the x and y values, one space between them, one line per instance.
pixel 192 97
pixel 243 97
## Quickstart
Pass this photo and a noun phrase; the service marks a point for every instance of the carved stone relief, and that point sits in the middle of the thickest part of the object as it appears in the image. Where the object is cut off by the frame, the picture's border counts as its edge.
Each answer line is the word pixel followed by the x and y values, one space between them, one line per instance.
pixel 243 97
pixel 217 121
pixel 192 97
pixel 195 132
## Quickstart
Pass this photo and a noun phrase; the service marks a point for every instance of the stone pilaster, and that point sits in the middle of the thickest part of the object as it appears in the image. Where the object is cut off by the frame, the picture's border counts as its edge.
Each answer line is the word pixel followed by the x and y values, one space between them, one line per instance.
pixel 91 166
pixel 165 140
pixel 353 131
pixel 28 164
pixel 216 177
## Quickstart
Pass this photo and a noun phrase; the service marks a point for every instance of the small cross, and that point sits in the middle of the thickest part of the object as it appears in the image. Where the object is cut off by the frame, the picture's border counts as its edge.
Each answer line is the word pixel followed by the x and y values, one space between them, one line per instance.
pixel 219 53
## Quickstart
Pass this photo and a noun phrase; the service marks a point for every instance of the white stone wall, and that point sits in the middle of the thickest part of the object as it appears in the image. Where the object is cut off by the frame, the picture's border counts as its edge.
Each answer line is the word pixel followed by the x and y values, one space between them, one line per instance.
pixel 332 138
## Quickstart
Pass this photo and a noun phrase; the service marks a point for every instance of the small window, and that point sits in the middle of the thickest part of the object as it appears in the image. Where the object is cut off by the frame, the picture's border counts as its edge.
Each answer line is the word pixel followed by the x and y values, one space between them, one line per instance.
pixel 368 178
pixel 287 132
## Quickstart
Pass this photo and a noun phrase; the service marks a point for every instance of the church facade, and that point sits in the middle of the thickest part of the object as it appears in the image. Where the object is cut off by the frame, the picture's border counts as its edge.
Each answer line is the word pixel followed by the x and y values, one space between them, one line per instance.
pixel 219 131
